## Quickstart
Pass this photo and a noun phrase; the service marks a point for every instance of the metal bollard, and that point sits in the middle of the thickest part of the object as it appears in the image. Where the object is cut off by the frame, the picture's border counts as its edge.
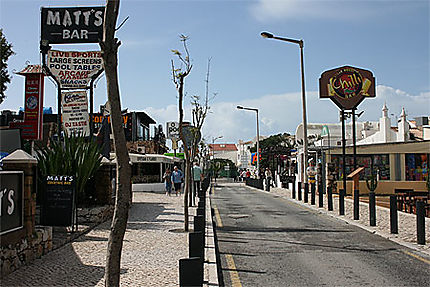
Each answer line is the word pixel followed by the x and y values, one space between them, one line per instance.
pixel 320 195
pixel 293 195
pixel 393 215
pixel 306 193
pixel 372 209
pixel 341 202
pixel 329 199
pixel 191 272
pixel 312 193
pixel 201 204
pixel 356 204
pixel 421 232
pixel 195 244
pixel 299 190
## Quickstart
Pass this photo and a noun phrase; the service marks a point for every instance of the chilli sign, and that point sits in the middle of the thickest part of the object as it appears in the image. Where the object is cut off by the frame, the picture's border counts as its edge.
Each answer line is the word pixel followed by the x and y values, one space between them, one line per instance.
pixel 347 86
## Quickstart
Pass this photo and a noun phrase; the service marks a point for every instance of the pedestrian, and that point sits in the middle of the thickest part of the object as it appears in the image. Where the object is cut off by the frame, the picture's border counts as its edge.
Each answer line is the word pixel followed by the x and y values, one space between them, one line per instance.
pixel 268 175
pixel 248 173
pixel 197 177
pixel 168 181
pixel 177 177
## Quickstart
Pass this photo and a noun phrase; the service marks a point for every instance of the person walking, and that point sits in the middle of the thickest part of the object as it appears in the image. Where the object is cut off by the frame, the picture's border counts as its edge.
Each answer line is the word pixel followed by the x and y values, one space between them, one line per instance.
pixel 168 181
pixel 268 175
pixel 177 177
pixel 197 176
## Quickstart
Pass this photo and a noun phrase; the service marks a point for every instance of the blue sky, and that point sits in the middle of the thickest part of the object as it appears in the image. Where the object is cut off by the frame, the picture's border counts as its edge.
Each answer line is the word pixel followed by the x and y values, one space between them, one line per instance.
pixel 390 38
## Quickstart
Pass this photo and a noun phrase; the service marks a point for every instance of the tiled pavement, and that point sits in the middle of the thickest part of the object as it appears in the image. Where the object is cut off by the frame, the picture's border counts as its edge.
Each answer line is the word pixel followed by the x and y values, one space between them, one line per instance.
pixel 152 249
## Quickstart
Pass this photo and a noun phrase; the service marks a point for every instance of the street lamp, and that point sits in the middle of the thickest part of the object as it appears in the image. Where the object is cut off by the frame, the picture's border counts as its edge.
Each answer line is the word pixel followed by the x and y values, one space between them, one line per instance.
pixel 305 125
pixel 258 138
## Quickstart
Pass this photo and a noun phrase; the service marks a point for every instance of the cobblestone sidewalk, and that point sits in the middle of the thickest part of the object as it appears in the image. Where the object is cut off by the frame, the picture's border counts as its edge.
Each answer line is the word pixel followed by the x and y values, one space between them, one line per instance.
pixel 152 248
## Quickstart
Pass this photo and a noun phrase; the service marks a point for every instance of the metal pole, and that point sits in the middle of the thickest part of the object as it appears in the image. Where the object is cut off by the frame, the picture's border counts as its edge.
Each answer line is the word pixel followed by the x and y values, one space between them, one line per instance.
pixel 59 112
pixel 305 124
pixel 354 147
pixel 91 110
pixel 258 148
pixel 343 191
pixel 393 215
pixel 421 232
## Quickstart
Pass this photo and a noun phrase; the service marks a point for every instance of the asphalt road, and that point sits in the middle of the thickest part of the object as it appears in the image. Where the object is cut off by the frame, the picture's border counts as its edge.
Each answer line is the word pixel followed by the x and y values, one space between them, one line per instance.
pixel 266 240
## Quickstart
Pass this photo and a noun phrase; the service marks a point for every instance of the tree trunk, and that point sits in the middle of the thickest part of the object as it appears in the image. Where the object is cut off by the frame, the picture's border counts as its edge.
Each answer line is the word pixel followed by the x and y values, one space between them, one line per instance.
pixel 109 47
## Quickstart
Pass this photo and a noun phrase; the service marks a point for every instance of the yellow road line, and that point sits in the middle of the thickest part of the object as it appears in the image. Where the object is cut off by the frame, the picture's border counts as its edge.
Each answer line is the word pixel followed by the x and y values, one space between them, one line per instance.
pixel 416 257
pixel 235 281
pixel 217 217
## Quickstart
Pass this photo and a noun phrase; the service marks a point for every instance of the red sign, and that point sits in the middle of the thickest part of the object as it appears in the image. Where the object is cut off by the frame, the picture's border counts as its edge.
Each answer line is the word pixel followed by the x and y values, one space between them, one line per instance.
pixel 347 86
pixel 33 111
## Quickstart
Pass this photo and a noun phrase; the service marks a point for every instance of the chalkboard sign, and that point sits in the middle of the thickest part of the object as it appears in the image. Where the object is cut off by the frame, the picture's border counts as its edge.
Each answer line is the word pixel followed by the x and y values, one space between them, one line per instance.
pixel 58 201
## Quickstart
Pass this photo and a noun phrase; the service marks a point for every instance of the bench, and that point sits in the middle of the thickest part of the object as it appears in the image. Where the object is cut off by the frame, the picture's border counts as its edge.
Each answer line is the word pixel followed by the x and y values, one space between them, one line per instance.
pixel 407 199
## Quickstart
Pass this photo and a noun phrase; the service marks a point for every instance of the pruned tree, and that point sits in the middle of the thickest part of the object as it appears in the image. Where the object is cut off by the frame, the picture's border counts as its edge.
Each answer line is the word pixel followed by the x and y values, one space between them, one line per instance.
pixel 109 47
pixel 179 75
pixel 5 52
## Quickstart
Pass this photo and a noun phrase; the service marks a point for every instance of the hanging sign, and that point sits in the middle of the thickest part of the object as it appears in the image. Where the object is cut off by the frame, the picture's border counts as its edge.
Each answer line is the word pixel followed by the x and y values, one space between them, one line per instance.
pixel 11 201
pixel 74 69
pixel 347 86
pixel 75 113
pixel 60 25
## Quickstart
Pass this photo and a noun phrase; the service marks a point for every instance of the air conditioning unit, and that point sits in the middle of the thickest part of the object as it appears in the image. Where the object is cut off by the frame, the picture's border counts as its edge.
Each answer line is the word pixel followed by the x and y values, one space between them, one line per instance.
pixel 140 148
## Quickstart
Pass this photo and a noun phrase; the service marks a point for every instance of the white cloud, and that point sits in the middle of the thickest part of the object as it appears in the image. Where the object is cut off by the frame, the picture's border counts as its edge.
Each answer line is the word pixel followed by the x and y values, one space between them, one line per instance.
pixel 272 10
pixel 282 113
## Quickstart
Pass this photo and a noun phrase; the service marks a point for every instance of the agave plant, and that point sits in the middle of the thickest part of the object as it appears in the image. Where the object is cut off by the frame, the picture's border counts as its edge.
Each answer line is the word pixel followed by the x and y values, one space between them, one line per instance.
pixel 75 156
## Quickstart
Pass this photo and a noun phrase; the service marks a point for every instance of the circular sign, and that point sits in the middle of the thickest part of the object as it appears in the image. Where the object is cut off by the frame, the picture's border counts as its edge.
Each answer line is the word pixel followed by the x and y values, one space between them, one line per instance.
pixel 347 83
pixel 31 102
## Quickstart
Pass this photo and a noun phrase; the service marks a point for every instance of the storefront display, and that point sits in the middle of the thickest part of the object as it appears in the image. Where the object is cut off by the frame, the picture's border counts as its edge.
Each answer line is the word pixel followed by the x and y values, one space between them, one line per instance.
pixel 417 166
pixel 379 163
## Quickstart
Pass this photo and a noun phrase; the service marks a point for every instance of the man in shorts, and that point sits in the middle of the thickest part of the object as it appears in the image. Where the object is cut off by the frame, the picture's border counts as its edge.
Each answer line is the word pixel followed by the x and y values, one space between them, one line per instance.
pixel 177 177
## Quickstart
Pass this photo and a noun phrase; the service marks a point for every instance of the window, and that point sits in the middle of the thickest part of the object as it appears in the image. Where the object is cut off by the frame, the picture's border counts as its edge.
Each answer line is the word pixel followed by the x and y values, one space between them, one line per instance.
pixel 379 163
pixel 417 166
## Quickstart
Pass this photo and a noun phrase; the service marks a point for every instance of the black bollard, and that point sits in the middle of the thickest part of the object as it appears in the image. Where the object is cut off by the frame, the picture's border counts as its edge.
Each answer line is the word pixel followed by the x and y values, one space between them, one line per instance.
pixel 293 195
pixel 329 199
pixel 191 272
pixel 299 190
pixel 306 193
pixel 201 204
pixel 372 209
pixel 199 224
pixel 341 202
pixel 356 204
pixel 312 193
pixel 421 232
pixel 393 215
pixel 320 195
pixel 195 243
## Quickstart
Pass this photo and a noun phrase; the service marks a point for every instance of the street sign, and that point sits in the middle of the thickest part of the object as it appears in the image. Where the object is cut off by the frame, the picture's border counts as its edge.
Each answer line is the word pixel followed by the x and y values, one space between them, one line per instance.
pixel 347 86
pixel 172 130
pixel 68 25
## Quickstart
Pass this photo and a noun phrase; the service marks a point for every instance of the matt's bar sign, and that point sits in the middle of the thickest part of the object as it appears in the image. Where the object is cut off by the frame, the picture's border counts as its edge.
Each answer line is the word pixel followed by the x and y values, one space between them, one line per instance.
pixel 11 201
pixel 72 25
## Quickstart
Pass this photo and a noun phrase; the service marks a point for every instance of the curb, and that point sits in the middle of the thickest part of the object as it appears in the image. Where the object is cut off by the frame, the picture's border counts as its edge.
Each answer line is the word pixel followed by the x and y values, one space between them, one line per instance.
pixel 211 264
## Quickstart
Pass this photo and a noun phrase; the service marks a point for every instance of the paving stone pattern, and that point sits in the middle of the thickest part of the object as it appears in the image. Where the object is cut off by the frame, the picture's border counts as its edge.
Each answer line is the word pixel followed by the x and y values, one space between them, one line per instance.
pixel 150 255
pixel 406 222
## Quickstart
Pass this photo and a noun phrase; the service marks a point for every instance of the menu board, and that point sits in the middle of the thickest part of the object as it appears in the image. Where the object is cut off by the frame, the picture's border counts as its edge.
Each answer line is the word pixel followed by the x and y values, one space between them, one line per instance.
pixel 58 201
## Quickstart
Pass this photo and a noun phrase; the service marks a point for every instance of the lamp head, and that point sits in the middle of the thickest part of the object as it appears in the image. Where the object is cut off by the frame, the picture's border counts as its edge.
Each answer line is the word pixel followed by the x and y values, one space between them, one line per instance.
pixel 239 107
pixel 266 35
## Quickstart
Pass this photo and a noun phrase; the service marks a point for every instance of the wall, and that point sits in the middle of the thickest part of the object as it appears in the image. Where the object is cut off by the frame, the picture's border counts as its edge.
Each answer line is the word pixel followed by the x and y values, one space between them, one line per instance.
pixel 384 187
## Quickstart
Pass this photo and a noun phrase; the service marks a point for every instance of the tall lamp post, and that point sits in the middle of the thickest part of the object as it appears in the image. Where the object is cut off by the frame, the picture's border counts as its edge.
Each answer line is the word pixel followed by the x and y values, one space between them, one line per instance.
pixel 305 125
pixel 258 138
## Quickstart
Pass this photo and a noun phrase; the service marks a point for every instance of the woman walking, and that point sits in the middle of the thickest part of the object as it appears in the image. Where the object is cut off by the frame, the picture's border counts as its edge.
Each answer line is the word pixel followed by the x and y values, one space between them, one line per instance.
pixel 168 181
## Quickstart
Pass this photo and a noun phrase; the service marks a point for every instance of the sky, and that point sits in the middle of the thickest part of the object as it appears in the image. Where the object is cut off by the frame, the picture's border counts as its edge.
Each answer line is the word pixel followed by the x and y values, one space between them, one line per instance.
pixel 389 38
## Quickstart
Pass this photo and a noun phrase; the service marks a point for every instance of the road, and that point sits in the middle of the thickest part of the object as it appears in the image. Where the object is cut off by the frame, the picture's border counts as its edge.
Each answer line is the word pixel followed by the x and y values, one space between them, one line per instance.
pixel 267 240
